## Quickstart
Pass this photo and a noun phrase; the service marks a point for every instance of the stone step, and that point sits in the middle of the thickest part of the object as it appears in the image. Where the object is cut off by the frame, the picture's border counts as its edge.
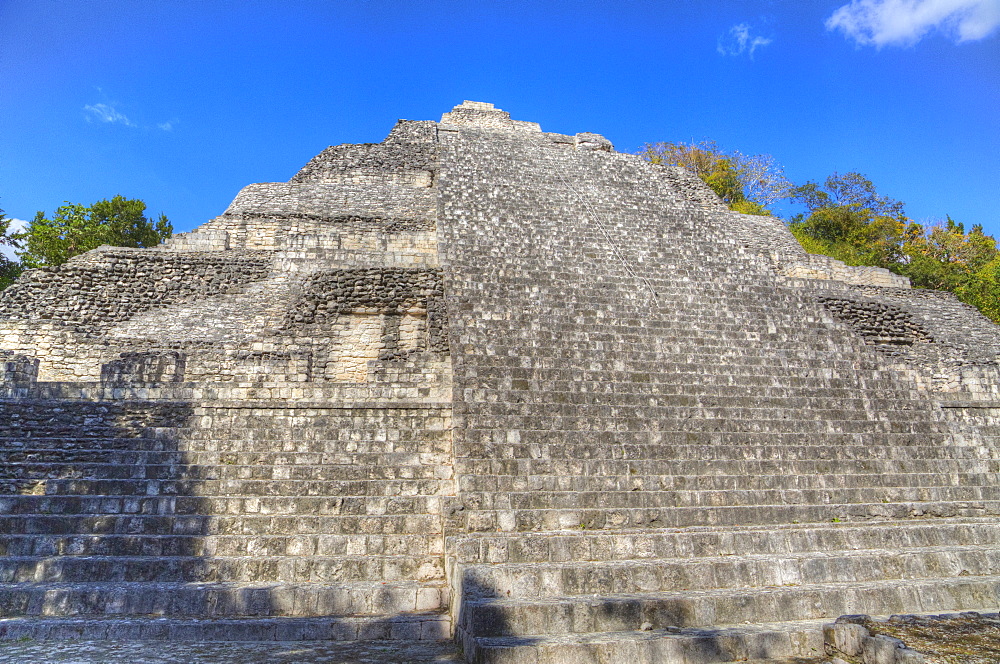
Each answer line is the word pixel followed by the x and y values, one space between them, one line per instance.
pixel 943 476
pixel 269 505
pixel 595 498
pixel 325 544
pixel 630 446
pixel 279 394
pixel 615 577
pixel 221 472
pixel 729 606
pixel 526 507
pixel 432 480
pixel 420 626
pixel 882 390
pixel 307 429
pixel 683 354
pixel 729 515
pixel 190 568
pixel 385 440
pixel 749 644
pixel 220 600
pixel 630 459
pixel 573 470
pixel 266 489
pixel 686 470
pixel 737 344
pixel 715 446
pixel 201 524
pixel 299 453
pixel 702 423
pixel 511 486
pixel 697 541
pixel 670 395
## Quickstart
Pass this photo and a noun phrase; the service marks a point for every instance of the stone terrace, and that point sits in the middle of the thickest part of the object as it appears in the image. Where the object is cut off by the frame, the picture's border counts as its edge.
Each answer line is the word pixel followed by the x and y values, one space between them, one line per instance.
pixel 499 384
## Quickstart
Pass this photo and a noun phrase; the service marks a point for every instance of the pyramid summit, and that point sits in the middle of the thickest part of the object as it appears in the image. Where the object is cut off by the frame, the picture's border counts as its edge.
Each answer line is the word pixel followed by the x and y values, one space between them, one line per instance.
pixel 485 382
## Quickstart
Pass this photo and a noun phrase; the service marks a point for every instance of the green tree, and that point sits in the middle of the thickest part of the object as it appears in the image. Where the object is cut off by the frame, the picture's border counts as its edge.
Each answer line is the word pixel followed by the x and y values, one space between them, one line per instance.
pixel 746 183
pixel 983 290
pixel 943 256
pixel 9 270
pixel 74 229
pixel 849 220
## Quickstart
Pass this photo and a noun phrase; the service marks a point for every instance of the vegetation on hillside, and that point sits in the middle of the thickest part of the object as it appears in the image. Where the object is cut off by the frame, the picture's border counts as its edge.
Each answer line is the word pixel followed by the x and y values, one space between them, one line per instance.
pixel 746 183
pixel 848 219
pixel 9 270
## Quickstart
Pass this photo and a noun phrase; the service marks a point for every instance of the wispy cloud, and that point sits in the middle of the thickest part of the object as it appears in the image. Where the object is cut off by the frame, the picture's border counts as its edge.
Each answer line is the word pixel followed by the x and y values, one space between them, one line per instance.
pixel 106 113
pixel 905 22
pixel 739 41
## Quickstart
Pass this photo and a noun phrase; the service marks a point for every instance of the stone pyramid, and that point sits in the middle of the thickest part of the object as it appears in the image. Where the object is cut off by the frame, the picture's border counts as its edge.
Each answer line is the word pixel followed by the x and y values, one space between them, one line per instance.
pixel 487 382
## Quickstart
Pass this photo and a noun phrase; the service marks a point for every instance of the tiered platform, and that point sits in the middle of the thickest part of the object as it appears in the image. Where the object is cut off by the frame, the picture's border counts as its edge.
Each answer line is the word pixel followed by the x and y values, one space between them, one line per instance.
pixel 489 383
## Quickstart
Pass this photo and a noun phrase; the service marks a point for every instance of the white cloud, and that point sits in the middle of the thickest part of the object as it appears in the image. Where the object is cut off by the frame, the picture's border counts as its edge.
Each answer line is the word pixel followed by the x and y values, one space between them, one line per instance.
pixel 905 22
pixel 740 41
pixel 106 113
pixel 15 226
pixel 167 126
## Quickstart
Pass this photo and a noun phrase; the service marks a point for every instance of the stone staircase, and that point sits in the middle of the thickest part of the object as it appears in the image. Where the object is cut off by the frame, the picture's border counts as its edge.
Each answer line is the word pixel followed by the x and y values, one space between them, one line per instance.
pixel 260 520
pixel 706 594
pixel 666 454
pixel 592 420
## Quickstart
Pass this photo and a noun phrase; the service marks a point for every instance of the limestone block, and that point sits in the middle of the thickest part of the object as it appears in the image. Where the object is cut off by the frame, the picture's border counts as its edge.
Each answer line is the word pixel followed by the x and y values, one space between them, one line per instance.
pixel 18 368
pixel 152 367
pixel 590 142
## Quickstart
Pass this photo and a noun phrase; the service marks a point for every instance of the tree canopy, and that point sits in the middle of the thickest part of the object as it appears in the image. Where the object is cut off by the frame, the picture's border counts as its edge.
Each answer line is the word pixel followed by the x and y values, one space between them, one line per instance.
pixel 746 183
pixel 9 270
pixel 850 221
pixel 75 229
pixel 847 218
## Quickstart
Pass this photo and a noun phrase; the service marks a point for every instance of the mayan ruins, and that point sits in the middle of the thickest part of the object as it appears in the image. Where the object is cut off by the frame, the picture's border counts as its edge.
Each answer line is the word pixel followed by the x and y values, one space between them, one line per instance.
pixel 487 383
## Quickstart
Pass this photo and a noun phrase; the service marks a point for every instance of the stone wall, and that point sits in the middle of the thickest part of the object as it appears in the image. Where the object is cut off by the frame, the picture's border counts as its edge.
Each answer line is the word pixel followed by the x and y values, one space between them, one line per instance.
pixel 105 286
pixel 405 164
pixel 18 368
pixel 823 267
pixel 313 237
pixel 485 377
pixel 484 115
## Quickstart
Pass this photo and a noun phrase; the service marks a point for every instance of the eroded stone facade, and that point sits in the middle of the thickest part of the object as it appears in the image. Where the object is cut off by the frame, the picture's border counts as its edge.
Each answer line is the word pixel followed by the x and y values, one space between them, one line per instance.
pixel 485 381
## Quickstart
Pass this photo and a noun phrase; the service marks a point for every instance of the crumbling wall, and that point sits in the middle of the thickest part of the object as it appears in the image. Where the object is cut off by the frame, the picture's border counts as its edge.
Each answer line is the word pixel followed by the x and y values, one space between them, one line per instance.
pixel 404 164
pixel 149 367
pixel 689 186
pixel 366 199
pixel 290 232
pixel 17 368
pixel 877 322
pixel 942 345
pixel 369 314
pixel 815 266
pixel 106 286
pixel 483 115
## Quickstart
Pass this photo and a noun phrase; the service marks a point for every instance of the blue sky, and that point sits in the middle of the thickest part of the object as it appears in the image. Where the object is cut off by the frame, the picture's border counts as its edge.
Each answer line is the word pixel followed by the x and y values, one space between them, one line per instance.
pixel 182 103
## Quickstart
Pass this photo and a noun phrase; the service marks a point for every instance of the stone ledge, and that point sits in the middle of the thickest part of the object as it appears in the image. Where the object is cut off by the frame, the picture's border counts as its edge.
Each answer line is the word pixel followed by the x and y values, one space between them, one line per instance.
pixel 247 404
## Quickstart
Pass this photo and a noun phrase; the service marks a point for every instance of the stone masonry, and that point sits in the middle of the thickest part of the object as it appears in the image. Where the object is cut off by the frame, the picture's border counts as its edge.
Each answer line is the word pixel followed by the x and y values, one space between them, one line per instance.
pixel 484 382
